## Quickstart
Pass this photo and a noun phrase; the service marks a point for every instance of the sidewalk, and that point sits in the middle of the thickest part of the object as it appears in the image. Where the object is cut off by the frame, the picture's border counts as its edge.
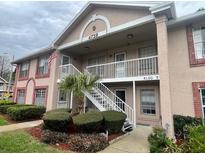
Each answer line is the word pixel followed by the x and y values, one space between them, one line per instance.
pixel 135 142
pixel 22 125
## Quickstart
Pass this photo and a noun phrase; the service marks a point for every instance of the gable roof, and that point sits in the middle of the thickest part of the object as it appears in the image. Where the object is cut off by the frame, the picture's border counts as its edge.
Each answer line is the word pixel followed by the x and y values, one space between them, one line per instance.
pixel 90 5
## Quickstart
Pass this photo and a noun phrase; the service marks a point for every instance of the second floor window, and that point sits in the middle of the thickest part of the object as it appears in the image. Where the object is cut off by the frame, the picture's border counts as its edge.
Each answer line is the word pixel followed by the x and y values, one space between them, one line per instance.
pixel 42 65
pixel 24 69
pixel 199 41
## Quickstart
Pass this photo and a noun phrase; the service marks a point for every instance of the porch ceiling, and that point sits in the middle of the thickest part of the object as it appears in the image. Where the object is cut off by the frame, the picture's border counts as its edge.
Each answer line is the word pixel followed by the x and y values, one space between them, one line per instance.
pixel 140 33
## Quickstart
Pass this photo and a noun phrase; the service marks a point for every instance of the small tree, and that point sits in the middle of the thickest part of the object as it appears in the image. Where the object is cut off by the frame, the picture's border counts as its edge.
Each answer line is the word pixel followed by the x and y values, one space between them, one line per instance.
pixel 78 84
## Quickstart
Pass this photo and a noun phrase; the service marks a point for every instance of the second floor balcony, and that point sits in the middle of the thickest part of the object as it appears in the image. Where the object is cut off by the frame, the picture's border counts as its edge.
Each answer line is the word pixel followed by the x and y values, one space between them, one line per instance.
pixel 133 69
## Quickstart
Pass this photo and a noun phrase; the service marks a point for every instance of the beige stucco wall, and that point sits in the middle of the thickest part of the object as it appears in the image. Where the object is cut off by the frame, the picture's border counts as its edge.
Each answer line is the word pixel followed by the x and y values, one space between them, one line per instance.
pixel 153 120
pixel 116 16
pixel 181 74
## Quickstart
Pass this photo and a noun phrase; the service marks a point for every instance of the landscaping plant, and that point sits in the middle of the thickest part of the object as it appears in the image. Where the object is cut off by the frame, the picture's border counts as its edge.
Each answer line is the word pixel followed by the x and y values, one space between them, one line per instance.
pixel 78 84
pixel 88 122
pixel 25 112
pixel 114 121
pixel 57 120
pixel 180 123
pixel 88 143
pixel 6 102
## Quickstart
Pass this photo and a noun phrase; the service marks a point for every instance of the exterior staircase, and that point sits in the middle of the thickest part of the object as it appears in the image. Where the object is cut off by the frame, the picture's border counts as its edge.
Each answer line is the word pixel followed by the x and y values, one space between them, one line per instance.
pixel 102 97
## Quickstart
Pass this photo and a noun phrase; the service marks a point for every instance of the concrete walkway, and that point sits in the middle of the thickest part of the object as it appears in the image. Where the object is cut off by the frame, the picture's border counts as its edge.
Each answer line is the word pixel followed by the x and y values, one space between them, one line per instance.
pixel 135 142
pixel 22 125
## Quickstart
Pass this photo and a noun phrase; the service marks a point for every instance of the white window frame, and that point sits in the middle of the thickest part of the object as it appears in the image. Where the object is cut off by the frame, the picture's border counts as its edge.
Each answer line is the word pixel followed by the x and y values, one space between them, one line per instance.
pixel 195 41
pixel 21 69
pixel 140 48
pixel 24 91
pixel 63 104
pixel 44 72
pixel 141 110
pixel 43 103
pixel 117 64
pixel 202 105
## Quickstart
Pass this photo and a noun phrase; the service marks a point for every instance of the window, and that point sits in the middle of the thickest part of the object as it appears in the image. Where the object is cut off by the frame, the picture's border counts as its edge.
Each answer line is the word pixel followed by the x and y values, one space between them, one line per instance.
pixel 203 101
pixel 42 66
pixel 146 65
pixel 40 96
pixel 21 96
pixel 95 61
pixel 199 41
pixel 62 96
pixel 147 52
pixel 120 67
pixel 65 60
pixel 148 101
pixel 24 69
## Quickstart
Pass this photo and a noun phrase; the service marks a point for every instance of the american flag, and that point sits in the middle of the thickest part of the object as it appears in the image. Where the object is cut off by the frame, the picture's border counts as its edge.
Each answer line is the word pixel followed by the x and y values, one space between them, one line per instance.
pixel 53 56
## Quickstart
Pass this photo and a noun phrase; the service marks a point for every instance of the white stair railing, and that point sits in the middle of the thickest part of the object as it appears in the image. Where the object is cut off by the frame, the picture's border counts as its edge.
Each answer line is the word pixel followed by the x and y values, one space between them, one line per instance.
pixel 105 98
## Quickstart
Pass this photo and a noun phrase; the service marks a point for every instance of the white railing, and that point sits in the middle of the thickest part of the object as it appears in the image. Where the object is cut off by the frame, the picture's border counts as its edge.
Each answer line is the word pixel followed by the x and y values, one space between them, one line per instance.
pixel 104 97
pixel 68 69
pixel 127 68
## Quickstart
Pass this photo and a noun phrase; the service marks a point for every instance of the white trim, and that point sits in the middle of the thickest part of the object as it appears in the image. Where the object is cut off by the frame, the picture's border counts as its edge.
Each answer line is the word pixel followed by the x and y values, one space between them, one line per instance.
pixel 93 19
pixel 134 103
pixel 127 79
pixel 131 24
pixel 62 59
pixel 202 106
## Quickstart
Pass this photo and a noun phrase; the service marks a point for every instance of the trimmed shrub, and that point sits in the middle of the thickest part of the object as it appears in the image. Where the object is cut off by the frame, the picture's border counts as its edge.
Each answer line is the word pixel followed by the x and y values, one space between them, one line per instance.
pixel 196 139
pixel 3 108
pixel 6 102
pixel 160 143
pixel 89 143
pixel 25 112
pixel 88 122
pixel 61 110
pixel 52 137
pixel 114 121
pixel 57 120
pixel 181 121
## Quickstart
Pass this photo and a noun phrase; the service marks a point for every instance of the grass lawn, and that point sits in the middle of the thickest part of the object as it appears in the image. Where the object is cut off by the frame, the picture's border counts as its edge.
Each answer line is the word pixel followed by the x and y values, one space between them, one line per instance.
pixel 3 121
pixel 20 141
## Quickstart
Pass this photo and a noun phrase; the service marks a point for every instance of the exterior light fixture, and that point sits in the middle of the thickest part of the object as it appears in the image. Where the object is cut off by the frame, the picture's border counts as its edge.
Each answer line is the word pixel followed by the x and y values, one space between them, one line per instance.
pixel 130 36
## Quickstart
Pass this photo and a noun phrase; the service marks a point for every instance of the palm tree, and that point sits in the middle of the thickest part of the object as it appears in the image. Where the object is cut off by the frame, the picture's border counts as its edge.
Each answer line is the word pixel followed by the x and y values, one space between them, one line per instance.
pixel 77 84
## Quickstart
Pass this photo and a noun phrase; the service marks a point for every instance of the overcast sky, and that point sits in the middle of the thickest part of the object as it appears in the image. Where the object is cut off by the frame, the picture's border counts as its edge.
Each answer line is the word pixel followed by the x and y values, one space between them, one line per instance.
pixel 27 26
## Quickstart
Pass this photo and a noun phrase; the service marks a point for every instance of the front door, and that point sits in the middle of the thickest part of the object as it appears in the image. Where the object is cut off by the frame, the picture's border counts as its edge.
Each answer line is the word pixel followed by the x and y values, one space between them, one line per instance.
pixel 120 66
pixel 121 95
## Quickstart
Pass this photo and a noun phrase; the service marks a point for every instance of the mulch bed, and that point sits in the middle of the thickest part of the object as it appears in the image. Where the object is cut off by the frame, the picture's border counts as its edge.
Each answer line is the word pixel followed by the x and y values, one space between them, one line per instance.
pixel 114 136
pixel 7 118
pixel 36 132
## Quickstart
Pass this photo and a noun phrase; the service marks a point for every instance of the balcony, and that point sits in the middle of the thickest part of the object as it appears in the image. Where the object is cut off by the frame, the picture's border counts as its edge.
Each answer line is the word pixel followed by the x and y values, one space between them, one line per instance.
pixel 134 69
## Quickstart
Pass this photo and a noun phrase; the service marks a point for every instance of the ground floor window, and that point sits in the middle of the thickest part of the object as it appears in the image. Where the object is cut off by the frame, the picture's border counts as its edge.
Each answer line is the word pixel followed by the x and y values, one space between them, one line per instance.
pixel 203 101
pixel 40 96
pixel 148 103
pixel 121 95
pixel 21 96
pixel 63 98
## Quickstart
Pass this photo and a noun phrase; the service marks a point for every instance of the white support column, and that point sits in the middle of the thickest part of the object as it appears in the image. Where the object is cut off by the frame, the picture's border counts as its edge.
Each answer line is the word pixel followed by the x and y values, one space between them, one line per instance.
pixel 84 105
pixel 134 104
pixel 71 100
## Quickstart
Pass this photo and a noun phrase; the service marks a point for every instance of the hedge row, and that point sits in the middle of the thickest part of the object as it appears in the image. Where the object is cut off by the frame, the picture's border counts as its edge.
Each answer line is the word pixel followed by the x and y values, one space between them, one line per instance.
pixel 22 112
pixel 6 102
pixel 60 119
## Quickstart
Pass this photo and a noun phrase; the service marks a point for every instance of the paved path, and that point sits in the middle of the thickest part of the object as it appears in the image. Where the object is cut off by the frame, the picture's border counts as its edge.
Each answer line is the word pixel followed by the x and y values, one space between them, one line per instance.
pixel 22 125
pixel 135 142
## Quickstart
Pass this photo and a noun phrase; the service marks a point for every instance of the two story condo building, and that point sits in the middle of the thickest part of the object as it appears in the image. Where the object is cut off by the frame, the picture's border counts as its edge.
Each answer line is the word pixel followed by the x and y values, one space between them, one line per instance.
pixel 150 62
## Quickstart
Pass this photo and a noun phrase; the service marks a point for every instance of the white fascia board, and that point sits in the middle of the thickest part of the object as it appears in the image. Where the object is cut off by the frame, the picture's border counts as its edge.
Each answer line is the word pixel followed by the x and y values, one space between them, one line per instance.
pixel 131 24
pixel 128 79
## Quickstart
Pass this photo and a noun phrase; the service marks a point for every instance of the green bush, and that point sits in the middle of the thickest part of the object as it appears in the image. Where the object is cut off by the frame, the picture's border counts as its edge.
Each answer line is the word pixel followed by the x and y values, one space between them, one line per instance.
pixel 114 121
pixel 52 137
pixel 57 120
pixel 160 143
pixel 61 110
pixel 6 102
pixel 25 112
pixel 89 143
pixel 181 121
pixel 196 139
pixel 88 122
